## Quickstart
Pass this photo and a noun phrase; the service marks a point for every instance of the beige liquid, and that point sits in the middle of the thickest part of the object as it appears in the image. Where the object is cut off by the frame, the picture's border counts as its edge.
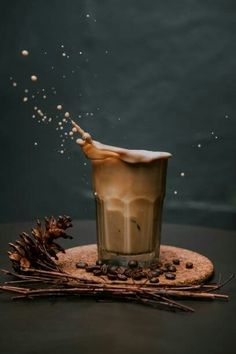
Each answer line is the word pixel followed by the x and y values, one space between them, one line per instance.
pixel 129 188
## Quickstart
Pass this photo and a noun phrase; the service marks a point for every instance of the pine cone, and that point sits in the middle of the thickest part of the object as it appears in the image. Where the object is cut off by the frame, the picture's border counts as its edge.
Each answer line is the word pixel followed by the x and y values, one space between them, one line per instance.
pixel 36 250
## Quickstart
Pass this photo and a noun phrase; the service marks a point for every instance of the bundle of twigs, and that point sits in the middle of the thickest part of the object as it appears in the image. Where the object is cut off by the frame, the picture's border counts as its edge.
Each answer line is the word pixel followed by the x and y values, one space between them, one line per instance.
pixel 33 264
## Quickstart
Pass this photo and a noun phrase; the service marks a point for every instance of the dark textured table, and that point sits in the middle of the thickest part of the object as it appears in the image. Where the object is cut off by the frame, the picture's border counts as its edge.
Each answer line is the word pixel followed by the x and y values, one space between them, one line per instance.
pixel 68 325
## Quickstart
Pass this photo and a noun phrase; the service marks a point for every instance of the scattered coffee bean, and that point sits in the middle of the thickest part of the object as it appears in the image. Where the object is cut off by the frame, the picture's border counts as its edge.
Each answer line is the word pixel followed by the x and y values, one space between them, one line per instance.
pixel 176 261
pixel 189 265
pixel 172 268
pixel 137 276
pixel 167 264
pixel 121 270
pixel 104 269
pixel 97 272
pixel 164 269
pixel 128 273
pixel 99 262
pixel 133 264
pixel 153 274
pixel 111 276
pixel 112 270
pixel 170 276
pixel 121 277
pixel 89 268
pixel 155 264
pixel 154 280
pixel 81 265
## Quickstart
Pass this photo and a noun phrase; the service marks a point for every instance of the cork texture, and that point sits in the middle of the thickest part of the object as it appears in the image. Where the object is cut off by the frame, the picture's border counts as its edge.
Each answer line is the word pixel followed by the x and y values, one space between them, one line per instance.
pixel 202 267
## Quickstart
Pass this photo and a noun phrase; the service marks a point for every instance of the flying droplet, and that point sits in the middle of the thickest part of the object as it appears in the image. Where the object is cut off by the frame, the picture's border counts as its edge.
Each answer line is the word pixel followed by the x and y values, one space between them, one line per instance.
pixel 25 99
pixel 59 107
pixel 35 143
pixel 71 133
pixel 67 114
pixel 182 174
pixel 63 54
pixel 14 84
pixel 34 78
pixel 74 129
pixel 199 145
pixel 25 52
pixel 175 192
pixel 87 15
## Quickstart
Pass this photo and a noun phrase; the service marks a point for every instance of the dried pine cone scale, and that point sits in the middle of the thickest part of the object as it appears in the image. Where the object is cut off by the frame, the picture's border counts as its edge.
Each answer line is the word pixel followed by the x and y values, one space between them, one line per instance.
pixel 38 249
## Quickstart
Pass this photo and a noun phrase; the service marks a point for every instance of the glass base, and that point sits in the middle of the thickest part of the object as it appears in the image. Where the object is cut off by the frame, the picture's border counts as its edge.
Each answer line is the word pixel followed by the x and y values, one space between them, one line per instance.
pixel 144 259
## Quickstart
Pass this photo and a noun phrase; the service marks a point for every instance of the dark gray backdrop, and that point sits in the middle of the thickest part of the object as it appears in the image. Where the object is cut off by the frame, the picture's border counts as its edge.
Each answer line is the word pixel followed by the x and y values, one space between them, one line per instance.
pixel 157 75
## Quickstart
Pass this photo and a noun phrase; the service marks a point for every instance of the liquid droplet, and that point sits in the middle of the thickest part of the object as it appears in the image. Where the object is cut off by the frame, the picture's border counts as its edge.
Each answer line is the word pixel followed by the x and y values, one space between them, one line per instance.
pixel 34 78
pixel 25 52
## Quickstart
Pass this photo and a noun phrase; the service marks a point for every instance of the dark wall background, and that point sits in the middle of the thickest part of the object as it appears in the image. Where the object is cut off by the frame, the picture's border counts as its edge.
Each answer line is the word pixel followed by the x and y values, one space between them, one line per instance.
pixel 156 75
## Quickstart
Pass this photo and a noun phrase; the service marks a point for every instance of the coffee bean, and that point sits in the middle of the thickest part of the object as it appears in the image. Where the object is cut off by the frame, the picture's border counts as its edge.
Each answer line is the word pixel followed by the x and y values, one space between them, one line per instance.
pixel 104 269
pixel 128 273
pixel 97 272
pixel 154 280
pixel 164 269
pixel 167 264
pixel 155 264
pixel 121 277
pixel 121 270
pixel 153 274
pixel 172 268
pixel 133 264
pixel 111 276
pixel 189 265
pixel 176 261
pixel 89 269
pixel 170 276
pixel 112 269
pixel 137 276
pixel 99 262
pixel 81 265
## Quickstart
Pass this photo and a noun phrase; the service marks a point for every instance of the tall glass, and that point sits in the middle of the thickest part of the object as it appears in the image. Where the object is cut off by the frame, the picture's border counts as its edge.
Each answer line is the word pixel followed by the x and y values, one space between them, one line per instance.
pixel 129 200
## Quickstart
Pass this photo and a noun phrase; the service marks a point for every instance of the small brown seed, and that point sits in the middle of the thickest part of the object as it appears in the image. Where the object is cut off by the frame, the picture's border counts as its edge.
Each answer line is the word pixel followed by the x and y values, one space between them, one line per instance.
pixel 121 277
pixel 164 269
pixel 112 270
pixel 133 264
pixel 111 276
pixel 97 272
pixel 89 268
pixel 176 261
pixel 128 273
pixel 121 270
pixel 170 276
pixel 167 264
pixel 189 265
pixel 154 280
pixel 104 269
pixel 137 276
pixel 81 265
pixel 172 268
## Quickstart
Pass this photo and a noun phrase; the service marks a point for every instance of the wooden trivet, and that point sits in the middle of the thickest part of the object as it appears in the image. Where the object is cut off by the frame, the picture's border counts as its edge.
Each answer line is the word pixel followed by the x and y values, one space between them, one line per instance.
pixel 201 271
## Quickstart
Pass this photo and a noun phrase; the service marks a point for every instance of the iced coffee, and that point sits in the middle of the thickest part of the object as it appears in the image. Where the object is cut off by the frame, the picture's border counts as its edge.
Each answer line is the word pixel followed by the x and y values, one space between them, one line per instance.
pixel 129 189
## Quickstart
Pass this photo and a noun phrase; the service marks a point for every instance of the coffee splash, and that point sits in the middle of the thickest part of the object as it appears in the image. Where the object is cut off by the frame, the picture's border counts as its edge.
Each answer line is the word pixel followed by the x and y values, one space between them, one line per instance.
pixel 95 150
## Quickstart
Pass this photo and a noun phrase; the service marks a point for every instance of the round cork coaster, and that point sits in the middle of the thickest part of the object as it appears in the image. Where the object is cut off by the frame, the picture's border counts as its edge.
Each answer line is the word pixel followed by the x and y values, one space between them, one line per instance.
pixel 201 271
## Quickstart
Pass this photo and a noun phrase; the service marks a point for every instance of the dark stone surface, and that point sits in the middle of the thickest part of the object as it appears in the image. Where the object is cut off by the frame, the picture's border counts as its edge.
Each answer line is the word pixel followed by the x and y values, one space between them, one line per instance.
pixel 69 325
